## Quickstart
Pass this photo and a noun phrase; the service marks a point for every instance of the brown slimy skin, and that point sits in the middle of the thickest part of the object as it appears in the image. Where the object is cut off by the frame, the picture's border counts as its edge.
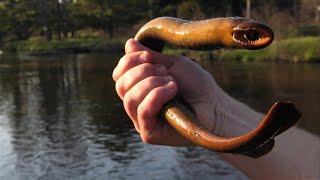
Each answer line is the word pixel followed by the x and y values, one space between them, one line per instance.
pixel 210 34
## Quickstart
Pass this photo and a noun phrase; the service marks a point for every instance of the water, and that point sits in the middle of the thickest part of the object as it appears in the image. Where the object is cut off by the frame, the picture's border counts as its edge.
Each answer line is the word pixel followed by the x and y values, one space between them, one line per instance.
pixel 60 118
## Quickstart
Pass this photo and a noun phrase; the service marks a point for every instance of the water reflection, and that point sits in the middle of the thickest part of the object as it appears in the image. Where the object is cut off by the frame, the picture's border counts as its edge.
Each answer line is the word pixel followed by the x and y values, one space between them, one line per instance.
pixel 60 118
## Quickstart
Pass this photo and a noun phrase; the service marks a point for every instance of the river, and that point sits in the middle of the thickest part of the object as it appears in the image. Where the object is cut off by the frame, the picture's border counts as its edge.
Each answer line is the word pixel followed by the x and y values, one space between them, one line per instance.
pixel 60 118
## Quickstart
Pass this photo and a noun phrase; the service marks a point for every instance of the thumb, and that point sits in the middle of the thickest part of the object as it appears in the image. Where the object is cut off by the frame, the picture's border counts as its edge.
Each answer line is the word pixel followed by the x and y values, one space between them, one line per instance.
pixel 134 46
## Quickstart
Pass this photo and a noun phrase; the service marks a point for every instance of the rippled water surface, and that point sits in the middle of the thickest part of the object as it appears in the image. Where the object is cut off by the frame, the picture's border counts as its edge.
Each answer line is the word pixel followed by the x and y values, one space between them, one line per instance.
pixel 60 118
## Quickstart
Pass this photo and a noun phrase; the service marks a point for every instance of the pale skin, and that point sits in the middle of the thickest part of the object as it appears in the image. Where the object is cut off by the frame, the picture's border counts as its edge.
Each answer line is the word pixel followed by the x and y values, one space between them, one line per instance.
pixel 146 80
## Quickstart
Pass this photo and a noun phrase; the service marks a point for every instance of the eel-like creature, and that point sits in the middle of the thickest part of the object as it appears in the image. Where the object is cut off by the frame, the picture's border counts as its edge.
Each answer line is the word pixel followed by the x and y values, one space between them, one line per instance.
pixel 229 32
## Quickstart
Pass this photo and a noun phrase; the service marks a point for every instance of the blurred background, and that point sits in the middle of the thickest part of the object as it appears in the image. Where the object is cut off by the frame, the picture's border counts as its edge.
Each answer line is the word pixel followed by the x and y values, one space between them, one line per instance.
pixel 38 26
pixel 60 117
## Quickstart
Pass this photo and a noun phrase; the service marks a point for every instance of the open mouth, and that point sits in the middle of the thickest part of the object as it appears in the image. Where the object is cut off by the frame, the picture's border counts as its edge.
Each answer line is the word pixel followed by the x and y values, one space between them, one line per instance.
pixel 252 37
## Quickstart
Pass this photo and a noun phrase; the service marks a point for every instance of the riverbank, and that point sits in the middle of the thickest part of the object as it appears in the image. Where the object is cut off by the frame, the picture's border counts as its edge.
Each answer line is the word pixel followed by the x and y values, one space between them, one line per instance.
pixel 300 49
pixel 40 46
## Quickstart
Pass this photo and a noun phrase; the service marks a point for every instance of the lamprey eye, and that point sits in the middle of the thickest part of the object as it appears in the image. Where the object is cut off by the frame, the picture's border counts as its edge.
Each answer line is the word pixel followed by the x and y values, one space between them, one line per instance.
pixel 252 35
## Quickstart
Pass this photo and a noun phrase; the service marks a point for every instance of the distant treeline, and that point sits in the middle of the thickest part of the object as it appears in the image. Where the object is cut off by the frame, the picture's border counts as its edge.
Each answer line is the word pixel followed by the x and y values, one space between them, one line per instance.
pixel 56 19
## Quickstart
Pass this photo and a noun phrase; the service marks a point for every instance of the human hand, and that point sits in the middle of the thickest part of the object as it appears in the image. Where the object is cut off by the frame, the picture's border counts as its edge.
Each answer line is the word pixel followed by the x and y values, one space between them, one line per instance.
pixel 146 80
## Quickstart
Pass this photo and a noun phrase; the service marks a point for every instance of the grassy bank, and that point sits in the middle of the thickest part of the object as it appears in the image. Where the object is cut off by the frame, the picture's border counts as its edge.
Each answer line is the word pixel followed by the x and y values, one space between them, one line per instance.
pixel 38 46
pixel 302 49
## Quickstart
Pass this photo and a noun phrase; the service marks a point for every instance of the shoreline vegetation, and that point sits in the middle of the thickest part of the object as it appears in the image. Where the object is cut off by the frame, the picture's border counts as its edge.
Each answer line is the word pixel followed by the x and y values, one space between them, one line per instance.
pixel 39 46
pixel 84 26
pixel 295 50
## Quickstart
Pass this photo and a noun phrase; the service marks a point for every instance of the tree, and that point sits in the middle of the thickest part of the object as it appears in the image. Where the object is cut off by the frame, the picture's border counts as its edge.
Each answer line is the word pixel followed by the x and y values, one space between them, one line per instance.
pixel 248 8
pixel 18 18
pixel 189 10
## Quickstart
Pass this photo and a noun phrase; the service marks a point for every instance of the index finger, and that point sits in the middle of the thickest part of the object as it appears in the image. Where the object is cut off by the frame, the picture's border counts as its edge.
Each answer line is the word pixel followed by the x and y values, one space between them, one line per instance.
pixel 154 56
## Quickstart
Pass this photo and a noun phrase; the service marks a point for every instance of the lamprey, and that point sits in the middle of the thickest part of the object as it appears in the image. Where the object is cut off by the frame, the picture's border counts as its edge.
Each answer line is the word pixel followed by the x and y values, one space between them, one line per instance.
pixel 230 32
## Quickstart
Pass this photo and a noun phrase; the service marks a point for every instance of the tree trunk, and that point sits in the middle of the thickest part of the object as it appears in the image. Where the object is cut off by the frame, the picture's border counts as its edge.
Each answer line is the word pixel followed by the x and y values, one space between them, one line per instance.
pixel 110 24
pixel 59 19
pixel 44 19
pixel 73 33
pixel 109 27
pixel 48 34
pixel 248 9
pixel 150 9
pixel 317 12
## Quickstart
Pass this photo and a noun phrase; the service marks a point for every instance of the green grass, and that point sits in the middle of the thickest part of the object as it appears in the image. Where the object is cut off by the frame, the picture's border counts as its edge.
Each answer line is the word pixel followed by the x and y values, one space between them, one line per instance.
pixel 199 55
pixel 300 49
pixel 249 55
pixel 38 44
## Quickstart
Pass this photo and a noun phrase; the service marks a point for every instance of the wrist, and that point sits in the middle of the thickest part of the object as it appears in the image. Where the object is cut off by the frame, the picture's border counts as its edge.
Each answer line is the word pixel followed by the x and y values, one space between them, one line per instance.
pixel 230 117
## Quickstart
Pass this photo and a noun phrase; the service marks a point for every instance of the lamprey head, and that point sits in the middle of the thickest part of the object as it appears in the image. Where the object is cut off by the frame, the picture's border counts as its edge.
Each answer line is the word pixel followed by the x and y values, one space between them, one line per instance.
pixel 249 34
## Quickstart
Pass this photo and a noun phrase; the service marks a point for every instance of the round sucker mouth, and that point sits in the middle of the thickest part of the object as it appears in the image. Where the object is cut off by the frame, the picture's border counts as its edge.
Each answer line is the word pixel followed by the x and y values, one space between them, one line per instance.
pixel 252 35
pixel 252 38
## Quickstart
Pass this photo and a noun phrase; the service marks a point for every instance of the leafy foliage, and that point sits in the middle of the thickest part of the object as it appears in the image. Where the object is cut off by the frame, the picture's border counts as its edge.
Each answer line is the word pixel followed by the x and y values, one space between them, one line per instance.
pixel 58 19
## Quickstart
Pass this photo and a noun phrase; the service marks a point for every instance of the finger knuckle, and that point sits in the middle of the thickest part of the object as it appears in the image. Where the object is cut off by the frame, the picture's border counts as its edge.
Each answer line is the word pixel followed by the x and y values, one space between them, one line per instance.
pixel 129 43
pixel 114 75
pixel 130 58
pixel 143 112
pixel 119 88
pixel 153 81
pixel 147 69
pixel 129 102
pixel 158 93
pixel 148 56
pixel 147 138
